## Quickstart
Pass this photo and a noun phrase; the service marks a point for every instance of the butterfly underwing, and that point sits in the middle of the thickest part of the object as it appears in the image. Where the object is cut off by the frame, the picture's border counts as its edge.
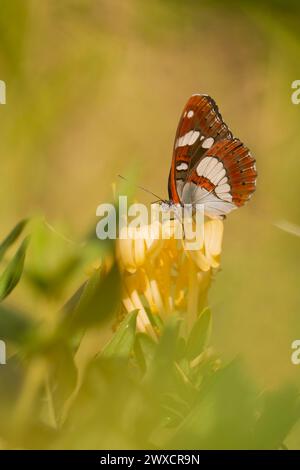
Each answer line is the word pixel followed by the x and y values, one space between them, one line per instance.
pixel 209 165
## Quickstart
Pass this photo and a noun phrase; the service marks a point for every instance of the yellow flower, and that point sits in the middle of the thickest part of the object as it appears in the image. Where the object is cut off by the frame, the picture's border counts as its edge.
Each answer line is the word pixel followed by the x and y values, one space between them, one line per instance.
pixel 162 275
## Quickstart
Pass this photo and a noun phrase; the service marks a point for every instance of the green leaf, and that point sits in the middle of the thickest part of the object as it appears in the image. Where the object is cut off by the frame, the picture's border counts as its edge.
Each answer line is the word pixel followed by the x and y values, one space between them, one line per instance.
pixel 223 415
pixel 176 408
pixel 11 384
pixel 199 335
pixel 12 237
pixel 122 342
pixel 161 370
pixel 167 349
pixel 281 411
pixel 13 325
pixel 12 274
pixel 53 282
pixel 62 373
pixel 144 350
pixel 98 301
pixel 155 319
pixel 73 301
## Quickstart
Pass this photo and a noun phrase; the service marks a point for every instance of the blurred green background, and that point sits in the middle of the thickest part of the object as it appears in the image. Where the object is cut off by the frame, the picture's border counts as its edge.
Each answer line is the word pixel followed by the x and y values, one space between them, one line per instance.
pixel 96 87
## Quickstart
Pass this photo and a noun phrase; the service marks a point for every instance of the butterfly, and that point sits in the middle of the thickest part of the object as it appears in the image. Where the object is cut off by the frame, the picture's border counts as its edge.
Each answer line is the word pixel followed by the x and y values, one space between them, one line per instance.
pixel 209 165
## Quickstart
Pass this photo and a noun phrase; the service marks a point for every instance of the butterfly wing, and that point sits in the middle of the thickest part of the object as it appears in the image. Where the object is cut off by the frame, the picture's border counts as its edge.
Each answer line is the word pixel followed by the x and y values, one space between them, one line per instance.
pixel 200 126
pixel 223 179
pixel 209 165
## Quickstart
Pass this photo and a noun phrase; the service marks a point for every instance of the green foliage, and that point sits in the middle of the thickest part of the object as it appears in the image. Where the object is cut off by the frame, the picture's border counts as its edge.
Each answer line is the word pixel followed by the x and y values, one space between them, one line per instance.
pixel 97 302
pixel 12 237
pixel 133 391
pixel 12 273
pixel 14 326
pixel 199 335
pixel 121 344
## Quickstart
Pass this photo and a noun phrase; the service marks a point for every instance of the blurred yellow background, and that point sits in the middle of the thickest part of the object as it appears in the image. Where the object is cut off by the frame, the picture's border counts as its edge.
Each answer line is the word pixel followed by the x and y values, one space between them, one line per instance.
pixel 96 88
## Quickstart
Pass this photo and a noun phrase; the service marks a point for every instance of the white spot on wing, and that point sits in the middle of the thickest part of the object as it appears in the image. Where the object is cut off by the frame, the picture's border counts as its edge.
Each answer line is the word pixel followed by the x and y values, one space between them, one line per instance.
pixel 187 139
pixel 223 180
pixel 202 165
pixel 219 176
pixel 190 114
pixel 207 143
pixel 213 205
pixel 210 166
pixel 182 166
pixel 194 137
pixel 217 173
pixel 212 169
pixel 223 188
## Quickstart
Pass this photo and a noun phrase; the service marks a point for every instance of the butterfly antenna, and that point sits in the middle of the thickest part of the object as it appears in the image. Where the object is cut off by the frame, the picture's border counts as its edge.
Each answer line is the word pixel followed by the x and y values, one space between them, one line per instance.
pixel 143 189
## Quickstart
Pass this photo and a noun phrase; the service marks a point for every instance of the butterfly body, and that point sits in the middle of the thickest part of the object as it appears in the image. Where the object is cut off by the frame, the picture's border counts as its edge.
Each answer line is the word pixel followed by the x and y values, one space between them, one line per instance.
pixel 169 206
pixel 209 165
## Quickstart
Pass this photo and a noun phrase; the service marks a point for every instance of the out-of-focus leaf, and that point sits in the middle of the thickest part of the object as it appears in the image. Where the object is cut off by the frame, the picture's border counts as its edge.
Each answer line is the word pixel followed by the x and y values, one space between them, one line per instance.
pixel 107 405
pixel 199 335
pixel 38 435
pixel 53 282
pixel 11 379
pixel 280 413
pixel 122 342
pixel 206 364
pixel 12 274
pixel 13 325
pixel 98 301
pixel 161 370
pixel 155 319
pixel 12 376
pixel 168 345
pixel 223 416
pixel 72 302
pixel 62 374
pixel 54 260
pixel 144 350
pixel 12 237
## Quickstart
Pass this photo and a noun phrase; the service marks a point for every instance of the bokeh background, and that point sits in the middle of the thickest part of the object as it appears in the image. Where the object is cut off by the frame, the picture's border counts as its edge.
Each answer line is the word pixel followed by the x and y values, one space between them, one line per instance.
pixel 96 87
